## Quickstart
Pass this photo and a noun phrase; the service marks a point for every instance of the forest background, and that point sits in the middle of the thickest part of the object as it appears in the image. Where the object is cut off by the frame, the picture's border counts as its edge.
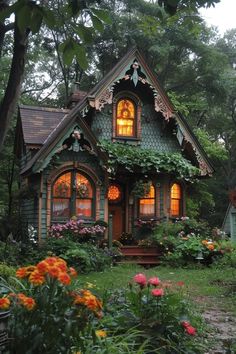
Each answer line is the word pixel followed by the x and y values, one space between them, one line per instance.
pixel 68 43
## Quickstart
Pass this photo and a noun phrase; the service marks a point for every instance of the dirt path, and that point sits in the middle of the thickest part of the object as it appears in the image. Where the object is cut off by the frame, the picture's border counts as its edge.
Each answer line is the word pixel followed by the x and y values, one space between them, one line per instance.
pixel 221 324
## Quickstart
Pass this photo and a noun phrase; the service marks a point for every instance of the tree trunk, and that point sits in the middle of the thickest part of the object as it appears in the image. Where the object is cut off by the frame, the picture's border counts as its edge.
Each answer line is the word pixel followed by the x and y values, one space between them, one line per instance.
pixel 8 104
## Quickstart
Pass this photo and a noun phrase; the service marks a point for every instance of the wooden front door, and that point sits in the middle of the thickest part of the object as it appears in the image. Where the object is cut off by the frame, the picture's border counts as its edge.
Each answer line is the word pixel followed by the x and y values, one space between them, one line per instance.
pixel 116 209
pixel 117 213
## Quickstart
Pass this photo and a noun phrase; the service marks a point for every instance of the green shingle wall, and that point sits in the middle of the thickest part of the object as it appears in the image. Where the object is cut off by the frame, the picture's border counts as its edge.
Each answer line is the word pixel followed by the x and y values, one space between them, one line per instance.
pixel 152 134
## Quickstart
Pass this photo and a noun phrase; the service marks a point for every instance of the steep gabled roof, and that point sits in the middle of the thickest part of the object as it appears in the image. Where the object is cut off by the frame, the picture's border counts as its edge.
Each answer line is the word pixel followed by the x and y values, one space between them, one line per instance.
pixel 38 122
pixel 102 94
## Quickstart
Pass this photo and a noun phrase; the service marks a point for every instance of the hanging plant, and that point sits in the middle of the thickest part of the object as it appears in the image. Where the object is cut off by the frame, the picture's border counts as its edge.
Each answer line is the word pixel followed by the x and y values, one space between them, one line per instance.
pixel 141 189
pixel 134 158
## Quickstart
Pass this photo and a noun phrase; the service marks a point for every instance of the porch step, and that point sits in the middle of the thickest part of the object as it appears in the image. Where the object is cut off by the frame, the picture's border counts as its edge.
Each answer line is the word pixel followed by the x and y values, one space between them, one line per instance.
pixel 140 255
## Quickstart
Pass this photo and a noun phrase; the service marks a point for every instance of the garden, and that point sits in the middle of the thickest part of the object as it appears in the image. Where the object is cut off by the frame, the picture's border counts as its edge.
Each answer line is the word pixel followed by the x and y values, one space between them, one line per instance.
pixel 72 297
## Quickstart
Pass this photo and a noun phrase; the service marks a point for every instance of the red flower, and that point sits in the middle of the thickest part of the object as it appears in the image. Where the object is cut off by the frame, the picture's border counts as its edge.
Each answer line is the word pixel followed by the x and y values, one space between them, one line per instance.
pixel 185 324
pixel 157 292
pixel 180 283
pixel 140 279
pixel 190 330
pixel 64 278
pixel 154 281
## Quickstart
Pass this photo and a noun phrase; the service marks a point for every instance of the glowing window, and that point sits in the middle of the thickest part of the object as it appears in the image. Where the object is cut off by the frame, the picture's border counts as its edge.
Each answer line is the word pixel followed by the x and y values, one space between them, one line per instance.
pixel 84 195
pixel 175 205
pixel 114 193
pixel 147 204
pixel 125 118
pixel 72 194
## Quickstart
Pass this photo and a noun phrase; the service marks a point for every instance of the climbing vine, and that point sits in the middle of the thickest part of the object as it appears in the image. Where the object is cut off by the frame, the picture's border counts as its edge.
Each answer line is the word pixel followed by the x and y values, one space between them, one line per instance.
pixel 136 159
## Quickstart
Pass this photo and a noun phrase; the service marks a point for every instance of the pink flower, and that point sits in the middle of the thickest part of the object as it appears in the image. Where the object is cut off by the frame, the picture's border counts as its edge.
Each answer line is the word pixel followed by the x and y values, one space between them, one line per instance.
pixel 154 281
pixel 140 279
pixel 157 292
pixel 190 330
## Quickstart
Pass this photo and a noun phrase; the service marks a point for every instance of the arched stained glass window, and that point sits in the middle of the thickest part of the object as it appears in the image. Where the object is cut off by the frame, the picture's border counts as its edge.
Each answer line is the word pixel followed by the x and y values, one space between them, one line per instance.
pixel 175 205
pixel 125 118
pixel 147 204
pixel 72 195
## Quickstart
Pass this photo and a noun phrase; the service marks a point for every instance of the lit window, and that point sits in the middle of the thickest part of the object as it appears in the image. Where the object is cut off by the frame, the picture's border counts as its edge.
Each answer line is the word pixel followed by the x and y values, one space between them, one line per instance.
pixel 68 201
pixel 147 204
pixel 125 118
pixel 114 193
pixel 175 206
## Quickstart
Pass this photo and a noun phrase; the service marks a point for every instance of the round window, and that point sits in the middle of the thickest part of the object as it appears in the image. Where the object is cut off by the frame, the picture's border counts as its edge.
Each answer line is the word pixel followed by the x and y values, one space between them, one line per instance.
pixel 114 193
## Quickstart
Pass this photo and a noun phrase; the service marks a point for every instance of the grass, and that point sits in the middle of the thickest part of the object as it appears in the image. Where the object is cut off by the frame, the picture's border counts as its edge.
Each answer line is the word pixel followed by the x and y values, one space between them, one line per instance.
pixel 204 284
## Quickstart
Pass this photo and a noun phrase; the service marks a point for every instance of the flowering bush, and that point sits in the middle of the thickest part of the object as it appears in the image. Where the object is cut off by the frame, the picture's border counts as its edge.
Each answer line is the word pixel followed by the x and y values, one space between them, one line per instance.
pixel 48 315
pixel 187 241
pixel 158 311
pixel 76 230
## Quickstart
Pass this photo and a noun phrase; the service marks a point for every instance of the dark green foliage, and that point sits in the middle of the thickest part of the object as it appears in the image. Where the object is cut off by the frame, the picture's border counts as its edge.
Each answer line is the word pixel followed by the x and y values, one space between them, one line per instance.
pixel 146 161
pixel 84 257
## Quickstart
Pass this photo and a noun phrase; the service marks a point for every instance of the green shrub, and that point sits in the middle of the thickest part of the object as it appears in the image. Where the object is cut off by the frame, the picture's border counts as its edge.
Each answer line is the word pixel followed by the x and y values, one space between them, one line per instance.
pixel 187 241
pixel 6 271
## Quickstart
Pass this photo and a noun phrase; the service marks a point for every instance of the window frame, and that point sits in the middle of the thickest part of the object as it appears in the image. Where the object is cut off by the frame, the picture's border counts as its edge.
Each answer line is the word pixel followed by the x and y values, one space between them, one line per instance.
pixel 73 197
pixel 150 216
pixel 134 99
pixel 180 200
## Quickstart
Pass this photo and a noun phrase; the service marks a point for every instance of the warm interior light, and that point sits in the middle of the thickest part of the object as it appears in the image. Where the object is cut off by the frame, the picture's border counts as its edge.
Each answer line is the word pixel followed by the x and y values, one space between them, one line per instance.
pixel 175 199
pixel 114 193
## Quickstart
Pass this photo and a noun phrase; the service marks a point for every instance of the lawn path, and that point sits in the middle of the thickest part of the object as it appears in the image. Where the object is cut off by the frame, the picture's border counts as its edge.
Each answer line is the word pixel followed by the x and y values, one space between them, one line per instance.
pixel 221 324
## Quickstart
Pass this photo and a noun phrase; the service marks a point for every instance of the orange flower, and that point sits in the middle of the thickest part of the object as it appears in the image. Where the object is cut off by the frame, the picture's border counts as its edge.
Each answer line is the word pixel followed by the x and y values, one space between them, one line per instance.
pixel 42 267
pixel 4 303
pixel 211 247
pixel 22 272
pixel 100 333
pixel 64 278
pixel 79 300
pixel 51 260
pixel 53 271
pixel 36 278
pixel 72 272
pixel 61 264
pixel 204 242
pixel 29 303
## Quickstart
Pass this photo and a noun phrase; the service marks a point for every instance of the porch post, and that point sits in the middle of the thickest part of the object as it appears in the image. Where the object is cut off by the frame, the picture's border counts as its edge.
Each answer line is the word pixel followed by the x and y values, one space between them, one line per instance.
pixel 110 231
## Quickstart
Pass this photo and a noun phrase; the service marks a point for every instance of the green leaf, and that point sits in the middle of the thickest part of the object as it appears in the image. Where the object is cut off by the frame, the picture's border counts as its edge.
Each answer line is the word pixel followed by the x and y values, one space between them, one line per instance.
pixel 49 18
pixel 85 33
pixel 36 19
pixel 97 23
pixel 102 15
pixel 68 51
pixel 81 55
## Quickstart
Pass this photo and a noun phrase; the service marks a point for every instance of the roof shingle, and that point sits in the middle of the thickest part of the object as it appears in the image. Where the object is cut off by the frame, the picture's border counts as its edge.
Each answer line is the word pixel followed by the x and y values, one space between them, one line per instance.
pixel 38 122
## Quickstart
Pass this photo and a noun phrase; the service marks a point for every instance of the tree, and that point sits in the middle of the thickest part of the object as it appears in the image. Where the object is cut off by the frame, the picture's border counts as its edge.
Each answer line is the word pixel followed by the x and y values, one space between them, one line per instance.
pixel 29 17
pixel 85 21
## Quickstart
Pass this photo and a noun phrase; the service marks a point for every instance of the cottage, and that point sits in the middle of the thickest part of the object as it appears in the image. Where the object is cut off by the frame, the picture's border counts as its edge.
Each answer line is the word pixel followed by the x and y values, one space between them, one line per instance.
pixel 122 150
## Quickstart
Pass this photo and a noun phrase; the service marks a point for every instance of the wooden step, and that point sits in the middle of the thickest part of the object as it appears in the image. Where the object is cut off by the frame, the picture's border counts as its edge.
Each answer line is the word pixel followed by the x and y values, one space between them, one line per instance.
pixel 140 255
pixel 140 262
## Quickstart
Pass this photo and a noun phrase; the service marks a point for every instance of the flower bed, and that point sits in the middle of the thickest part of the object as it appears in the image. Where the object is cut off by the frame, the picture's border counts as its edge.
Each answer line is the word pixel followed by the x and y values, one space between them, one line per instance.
pixel 50 314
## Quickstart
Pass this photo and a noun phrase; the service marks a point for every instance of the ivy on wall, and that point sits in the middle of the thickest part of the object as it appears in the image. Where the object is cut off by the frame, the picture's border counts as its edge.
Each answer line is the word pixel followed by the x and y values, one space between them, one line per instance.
pixel 135 159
